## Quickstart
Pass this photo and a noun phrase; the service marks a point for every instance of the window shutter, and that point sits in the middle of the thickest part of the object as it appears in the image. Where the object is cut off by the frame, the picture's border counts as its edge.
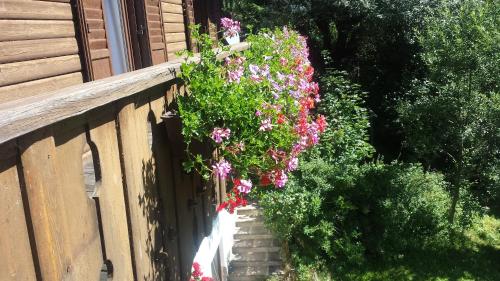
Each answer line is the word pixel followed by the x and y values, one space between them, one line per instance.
pixel 94 39
pixel 173 26
pixel 155 31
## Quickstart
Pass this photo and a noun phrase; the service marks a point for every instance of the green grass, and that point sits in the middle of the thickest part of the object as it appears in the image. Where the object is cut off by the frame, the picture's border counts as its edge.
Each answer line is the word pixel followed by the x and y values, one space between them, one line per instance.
pixel 476 258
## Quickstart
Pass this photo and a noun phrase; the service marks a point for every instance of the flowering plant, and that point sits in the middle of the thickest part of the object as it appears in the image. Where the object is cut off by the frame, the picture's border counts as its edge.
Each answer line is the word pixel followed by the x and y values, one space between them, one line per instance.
pixel 197 275
pixel 256 107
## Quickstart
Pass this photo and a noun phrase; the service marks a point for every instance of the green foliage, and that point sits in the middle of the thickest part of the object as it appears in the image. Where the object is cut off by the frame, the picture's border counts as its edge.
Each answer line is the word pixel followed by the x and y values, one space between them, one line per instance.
pixel 214 101
pixel 346 139
pixel 452 119
pixel 336 212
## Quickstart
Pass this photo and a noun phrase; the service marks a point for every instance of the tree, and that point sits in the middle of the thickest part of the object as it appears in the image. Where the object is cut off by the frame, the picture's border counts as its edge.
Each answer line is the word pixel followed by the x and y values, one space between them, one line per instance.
pixel 452 118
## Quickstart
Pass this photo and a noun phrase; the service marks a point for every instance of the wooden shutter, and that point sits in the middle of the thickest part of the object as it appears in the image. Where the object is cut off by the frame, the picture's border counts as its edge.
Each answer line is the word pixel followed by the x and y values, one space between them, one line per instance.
pixel 156 39
pixel 97 56
pixel 173 26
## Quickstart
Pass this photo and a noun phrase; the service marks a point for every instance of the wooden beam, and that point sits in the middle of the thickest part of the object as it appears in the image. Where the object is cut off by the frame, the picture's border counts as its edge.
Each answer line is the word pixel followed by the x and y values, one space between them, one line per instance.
pixel 12 51
pixel 34 10
pixel 20 117
pixel 17 72
pixel 35 29
pixel 31 88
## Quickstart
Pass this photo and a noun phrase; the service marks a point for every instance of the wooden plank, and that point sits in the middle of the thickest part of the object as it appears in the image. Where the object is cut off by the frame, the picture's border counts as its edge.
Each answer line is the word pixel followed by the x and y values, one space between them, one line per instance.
pixel 171 8
pixel 174 47
pixel 18 72
pixel 142 193
pixel 173 27
pixel 34 10
pixel 175 37
pixel 15 250
pixel 12 51
pixel 169 17
pixel 111 198
pixel 82 243
pixel 43 195
pixel 179 2
pixel 163 156
pixel 66 250
pixel 101 68
pixel 183 187
pixel 21 117
pixel 31 88
pixel 13 30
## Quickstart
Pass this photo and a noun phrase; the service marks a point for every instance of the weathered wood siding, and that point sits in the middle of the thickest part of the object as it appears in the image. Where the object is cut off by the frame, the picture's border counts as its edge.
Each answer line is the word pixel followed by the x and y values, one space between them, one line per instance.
pixel 92 185
pixel 38 48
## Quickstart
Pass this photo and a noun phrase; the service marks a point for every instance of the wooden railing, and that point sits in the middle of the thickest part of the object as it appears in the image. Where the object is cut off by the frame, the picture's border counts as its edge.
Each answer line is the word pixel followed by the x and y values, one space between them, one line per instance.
pixel 91 184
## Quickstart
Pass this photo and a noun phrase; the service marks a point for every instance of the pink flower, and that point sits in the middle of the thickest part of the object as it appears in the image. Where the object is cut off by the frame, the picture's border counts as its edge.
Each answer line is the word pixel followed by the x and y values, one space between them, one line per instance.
pixel 254 69
pixel 244 186
pixel 292 164
pixel 283 61
pixel 235 75
pixel 258 113
pixel 230 27
pixel 223 168
pixel 265 125
pixel 280 178
pixel 219 133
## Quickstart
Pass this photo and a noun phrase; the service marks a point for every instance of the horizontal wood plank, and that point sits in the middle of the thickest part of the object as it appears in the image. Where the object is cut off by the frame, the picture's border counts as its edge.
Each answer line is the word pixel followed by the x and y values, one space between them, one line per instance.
pixel 17 72
pixel 12 51
pixel 12 30
pixel 31 88
pixel 175 37
pixel 173 27
pixel 18 118
pixel 174 47
pixel 176 18
pixel 171 8
pixel 34 10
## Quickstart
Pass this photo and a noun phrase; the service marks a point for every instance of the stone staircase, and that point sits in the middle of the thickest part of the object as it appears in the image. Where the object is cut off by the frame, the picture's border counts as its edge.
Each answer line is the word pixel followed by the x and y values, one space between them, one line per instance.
pixel 256 252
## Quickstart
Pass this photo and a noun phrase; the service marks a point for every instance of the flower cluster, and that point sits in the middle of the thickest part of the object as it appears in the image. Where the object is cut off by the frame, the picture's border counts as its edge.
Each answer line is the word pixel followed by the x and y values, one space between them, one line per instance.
pixel 230 27
pixel 258 109
pixel 197 275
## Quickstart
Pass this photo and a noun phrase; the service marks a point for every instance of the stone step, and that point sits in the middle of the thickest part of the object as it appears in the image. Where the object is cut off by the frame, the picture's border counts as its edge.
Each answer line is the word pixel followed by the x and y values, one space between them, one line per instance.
pixel 248 278
pixel 257 256
pixel 251 212
pixel 247 222
pixel 247 243
pixel 251 268
pixel 240 236
pixel 253 229
pixel 243 250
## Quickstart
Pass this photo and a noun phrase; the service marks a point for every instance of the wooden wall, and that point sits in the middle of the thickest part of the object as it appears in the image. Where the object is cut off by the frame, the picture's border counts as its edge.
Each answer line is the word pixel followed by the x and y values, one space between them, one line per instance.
pixel 140 215
pixel 38 48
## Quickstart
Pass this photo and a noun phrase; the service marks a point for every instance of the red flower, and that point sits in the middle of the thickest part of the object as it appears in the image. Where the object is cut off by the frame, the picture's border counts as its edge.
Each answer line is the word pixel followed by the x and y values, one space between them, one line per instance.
pixel 265 180
pixel 321 121
pixel 207 279
pixel 197 270
pixel 309 73
pixel 281 119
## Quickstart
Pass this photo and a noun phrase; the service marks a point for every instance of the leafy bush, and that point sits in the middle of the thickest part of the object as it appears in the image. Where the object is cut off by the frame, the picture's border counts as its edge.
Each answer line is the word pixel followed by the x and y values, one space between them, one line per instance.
pixel 337 211
pixel 379 210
